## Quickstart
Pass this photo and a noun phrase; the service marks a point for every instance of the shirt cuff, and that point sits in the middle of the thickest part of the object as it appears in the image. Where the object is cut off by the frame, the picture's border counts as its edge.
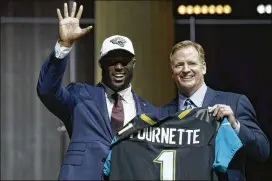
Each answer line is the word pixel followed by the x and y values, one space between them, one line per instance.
pixel 60 51
pixel 237 129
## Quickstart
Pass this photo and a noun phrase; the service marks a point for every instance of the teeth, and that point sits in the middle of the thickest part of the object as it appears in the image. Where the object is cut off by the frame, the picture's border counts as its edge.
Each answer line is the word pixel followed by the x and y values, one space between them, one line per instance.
pixel 119 75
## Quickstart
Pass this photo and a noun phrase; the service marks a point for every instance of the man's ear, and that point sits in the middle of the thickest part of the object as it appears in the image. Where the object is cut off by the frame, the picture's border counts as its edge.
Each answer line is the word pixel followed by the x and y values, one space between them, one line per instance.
pixel 99 63
pixel 171 67
pixel 204 68
pixel 134 62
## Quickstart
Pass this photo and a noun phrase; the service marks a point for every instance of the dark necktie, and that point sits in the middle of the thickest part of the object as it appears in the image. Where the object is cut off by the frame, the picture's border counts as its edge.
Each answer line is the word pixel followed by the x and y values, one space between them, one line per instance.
pixel 117 114
pixel 188 104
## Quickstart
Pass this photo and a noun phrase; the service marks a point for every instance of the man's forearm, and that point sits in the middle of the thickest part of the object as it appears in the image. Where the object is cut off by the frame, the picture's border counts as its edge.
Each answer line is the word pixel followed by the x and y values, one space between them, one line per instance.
pixel 51 74
pixel 255 141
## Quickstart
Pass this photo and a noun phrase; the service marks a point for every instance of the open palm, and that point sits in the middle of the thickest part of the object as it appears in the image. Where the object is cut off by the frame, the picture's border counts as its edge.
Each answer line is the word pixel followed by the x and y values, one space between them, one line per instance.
pixel 69 29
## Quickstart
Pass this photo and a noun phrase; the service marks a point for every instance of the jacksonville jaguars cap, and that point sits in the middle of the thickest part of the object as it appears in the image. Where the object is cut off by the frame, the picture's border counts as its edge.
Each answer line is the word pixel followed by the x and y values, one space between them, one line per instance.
pixel 116 42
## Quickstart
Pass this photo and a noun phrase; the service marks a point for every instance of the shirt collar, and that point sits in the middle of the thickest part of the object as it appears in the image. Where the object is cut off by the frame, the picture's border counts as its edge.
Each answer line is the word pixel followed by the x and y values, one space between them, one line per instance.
pixel 126 94
pixel 197 98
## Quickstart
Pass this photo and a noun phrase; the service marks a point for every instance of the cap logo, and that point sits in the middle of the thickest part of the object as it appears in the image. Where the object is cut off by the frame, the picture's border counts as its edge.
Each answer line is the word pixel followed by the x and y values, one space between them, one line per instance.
pixel 119 41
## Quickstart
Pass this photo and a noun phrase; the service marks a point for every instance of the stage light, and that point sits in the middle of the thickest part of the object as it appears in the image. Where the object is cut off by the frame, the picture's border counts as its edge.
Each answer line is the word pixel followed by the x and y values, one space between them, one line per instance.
pixel 264 9
pixel 261 9
pixel 219 9
pixel 211 9
pixel 182 9
pixel 268 9
pixel 190 9
pixel 203 9
pixel 227 9
pixel 197 9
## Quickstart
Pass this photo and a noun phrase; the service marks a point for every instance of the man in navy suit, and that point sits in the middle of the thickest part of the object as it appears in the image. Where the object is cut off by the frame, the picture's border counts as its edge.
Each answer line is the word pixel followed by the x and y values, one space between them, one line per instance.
pixel 188 68
pixel 92 114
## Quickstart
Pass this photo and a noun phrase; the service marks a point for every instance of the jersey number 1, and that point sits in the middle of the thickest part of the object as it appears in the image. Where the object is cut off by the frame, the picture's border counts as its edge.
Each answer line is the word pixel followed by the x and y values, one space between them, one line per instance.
pixel 167 161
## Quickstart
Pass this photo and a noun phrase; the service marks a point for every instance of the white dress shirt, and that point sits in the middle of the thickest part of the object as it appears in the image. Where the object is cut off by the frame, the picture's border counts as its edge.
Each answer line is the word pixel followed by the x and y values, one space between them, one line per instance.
pixel 127 100
pixel 197 98
pixel 60 51
pixel 126 94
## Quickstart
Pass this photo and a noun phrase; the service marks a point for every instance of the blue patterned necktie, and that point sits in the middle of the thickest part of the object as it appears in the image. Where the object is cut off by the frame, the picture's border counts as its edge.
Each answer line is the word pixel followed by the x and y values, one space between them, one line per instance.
pixel 188 104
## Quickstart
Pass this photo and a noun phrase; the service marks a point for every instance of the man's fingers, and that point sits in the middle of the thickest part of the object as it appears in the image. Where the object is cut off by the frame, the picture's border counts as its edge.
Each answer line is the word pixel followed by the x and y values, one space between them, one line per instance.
pixel 59 15
pixel 224 112
pixel 73 10
pixel 65 9
pixel 87 29
pixel 215 112
pixel 211 109
pixel 221 113
pixel 79 13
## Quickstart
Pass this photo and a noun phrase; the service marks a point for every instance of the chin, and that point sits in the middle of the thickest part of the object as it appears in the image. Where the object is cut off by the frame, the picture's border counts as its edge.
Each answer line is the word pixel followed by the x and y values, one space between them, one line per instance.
pixel 187 84
pixel 118 87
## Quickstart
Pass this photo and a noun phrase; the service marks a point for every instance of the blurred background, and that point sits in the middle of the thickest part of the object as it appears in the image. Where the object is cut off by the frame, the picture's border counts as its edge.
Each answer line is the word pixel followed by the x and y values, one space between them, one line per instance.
pixel 236 36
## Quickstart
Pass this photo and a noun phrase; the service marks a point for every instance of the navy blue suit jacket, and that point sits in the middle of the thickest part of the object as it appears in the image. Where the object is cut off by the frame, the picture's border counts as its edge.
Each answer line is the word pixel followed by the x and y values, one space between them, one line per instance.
pixel 256 144
pixel 83 110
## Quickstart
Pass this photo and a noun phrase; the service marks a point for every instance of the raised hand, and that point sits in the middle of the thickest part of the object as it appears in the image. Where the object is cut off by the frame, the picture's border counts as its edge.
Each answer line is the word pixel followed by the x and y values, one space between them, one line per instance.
pixel 69 30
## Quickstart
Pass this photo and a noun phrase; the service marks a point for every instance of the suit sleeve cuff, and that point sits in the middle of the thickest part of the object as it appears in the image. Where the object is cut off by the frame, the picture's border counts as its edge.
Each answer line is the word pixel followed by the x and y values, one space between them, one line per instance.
pixel 61 52
pixel 237 129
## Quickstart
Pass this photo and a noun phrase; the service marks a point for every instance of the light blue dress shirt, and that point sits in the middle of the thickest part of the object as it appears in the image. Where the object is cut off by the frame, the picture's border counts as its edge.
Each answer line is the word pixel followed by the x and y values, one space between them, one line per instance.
pixel 197 98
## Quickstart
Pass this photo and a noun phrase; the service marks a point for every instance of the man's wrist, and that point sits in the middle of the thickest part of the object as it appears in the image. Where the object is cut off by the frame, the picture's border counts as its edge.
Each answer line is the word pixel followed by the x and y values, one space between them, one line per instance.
pixel 65 44
pixel 61 51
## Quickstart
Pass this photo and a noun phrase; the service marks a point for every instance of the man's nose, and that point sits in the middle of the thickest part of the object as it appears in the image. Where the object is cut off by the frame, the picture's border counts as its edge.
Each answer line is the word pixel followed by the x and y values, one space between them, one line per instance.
pixel 118 66
pixel 185 68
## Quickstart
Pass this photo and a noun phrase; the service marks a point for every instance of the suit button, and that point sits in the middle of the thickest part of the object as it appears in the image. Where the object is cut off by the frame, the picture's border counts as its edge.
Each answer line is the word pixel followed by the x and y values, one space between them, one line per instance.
pixel 104 159
pixel 144 104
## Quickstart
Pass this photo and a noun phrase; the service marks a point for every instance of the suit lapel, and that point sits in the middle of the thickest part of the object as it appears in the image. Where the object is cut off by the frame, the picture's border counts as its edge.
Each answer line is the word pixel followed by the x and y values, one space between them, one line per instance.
pixel 137 104
pixel 210 97
pixel 98 95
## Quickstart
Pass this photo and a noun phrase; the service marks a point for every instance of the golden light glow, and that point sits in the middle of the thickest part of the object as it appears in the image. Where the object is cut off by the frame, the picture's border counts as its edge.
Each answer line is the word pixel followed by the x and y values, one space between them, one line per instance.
pixel 219 9
pixel 197 9
pixel 227 9
pixel 190 9
pixel 211 9
pixel 182 9
pixel 204 9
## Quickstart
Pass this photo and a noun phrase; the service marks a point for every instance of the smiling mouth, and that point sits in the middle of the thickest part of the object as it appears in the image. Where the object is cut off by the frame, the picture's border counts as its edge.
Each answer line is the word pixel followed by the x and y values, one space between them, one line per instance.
pixel 118 77
pixel 187 78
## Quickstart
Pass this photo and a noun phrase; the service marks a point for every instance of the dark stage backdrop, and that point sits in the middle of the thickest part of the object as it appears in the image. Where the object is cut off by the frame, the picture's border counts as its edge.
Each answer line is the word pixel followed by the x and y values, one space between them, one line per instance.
pixel 239 60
